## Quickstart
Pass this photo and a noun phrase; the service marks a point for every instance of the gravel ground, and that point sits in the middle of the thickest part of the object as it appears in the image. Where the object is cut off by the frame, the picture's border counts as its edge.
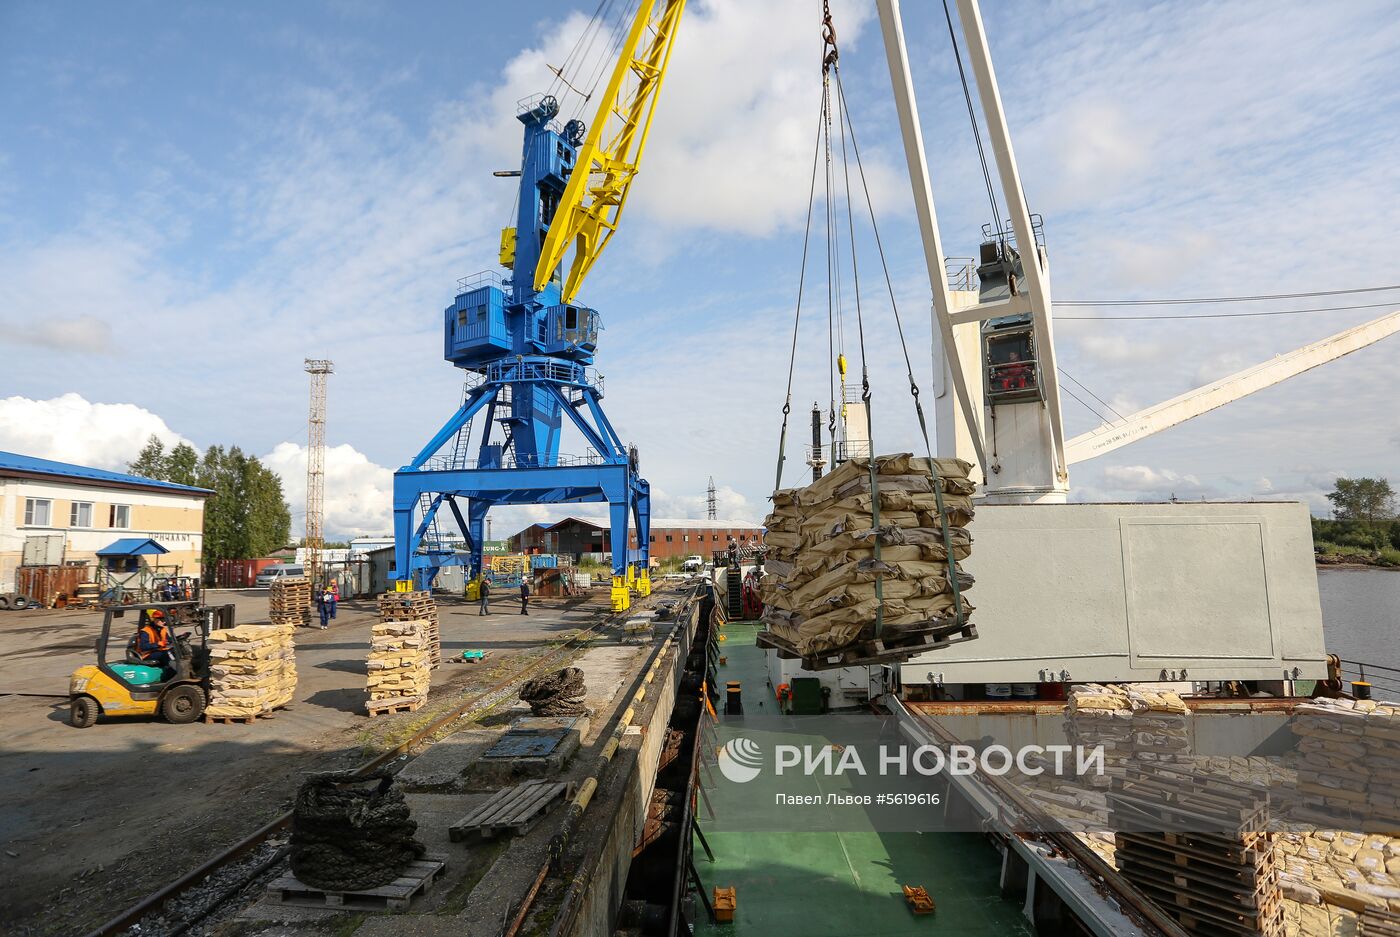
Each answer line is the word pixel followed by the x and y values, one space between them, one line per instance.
pixel 94 819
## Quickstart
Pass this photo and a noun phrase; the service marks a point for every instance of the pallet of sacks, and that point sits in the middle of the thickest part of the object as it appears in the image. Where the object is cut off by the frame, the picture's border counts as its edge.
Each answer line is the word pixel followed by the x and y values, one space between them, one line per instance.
pixel 252 671
pixel 398 667
pixel 819 588
pixel 415 606
pixel 1348 761
pixel 289 601
pixel 1130 722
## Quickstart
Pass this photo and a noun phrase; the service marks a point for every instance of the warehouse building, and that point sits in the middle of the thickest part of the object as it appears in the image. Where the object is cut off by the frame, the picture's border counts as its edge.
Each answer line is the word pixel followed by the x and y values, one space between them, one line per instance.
pixel 53 513
pixel 670 537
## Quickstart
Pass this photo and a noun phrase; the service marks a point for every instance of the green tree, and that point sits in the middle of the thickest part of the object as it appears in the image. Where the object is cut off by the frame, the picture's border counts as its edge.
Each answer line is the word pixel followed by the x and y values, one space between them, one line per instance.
pixel 246 515
pixel 181 464
pixel 151 461
pixel 1363 499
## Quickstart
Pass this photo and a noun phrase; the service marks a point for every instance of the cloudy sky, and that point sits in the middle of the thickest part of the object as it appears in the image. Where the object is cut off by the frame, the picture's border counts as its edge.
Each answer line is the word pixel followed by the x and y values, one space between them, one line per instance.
pixel 194 198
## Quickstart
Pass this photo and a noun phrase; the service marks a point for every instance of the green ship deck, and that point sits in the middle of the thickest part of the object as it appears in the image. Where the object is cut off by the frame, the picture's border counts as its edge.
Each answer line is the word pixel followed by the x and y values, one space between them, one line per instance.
pixel 829 884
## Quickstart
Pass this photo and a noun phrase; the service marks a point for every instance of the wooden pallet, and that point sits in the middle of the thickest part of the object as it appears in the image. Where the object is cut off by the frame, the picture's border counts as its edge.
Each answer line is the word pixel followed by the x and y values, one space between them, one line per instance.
pixel 896 647
pixel 1375 923
pixel 396 896
pixel 398 704
pixel 512 811
pixel 243 720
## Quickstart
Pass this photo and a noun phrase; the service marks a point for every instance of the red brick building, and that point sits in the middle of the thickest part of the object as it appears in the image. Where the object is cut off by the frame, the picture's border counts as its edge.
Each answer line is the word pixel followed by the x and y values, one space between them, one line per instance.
pixel 670 537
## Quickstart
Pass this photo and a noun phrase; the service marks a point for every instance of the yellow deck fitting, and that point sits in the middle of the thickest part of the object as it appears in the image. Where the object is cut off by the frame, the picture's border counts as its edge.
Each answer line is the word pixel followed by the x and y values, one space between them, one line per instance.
pixel 918 900
pixel 726 902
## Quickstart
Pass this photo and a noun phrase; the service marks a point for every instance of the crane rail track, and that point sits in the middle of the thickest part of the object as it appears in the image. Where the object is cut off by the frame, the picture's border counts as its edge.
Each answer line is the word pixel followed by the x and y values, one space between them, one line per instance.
pixel 158 899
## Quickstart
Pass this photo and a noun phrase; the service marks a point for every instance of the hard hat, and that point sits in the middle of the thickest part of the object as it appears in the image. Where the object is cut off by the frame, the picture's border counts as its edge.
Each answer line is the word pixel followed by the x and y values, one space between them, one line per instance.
pixel 157 613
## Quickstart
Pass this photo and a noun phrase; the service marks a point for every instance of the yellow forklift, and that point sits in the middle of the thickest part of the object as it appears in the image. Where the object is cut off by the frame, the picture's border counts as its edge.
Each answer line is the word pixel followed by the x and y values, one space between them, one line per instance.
pixel 126 686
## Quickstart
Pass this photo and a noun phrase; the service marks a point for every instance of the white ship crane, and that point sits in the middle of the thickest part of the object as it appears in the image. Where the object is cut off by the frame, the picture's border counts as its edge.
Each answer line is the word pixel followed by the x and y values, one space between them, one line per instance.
pixel 996 379
pixel 1078 591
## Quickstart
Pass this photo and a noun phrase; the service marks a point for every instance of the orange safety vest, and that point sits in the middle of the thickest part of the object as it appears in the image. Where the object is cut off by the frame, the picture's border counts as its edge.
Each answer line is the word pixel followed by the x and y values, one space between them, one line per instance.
pixel 784 691
pixel 158 638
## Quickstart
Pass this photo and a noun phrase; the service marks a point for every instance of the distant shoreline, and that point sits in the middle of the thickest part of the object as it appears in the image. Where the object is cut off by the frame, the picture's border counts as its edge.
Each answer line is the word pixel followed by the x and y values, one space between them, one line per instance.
pixel 1352 564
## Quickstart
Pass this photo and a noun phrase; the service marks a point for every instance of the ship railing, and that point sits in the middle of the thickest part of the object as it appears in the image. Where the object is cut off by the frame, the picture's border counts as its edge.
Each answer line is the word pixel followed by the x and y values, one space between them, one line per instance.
pixel 484 278
pixel 566 372
pixel 511 461
pixel 847 450
pixel 962 273
pixel 1009 233
pixel 1380 677
pixel 540 99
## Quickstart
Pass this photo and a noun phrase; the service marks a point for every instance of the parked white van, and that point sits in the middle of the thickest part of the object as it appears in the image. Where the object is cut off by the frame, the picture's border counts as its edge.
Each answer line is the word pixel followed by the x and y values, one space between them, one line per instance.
pixel 286 570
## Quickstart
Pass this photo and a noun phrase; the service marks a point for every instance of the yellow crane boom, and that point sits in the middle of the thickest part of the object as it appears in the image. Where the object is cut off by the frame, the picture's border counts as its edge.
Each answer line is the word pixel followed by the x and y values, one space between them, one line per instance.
pixel 607 162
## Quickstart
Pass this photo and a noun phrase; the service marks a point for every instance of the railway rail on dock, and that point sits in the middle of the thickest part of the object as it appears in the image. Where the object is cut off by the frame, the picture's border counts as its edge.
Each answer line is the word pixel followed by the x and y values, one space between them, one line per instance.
pixel 157 900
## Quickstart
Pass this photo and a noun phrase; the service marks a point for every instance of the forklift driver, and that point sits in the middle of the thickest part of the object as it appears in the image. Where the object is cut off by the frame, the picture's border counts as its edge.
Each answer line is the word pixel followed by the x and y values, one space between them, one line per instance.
pixel 153 640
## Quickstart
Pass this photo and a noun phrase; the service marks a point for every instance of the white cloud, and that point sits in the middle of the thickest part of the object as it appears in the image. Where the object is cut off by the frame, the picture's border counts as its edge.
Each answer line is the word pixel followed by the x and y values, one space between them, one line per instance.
pixel 732 141
pixel 71 429
pixel 64 334
pixel 358 493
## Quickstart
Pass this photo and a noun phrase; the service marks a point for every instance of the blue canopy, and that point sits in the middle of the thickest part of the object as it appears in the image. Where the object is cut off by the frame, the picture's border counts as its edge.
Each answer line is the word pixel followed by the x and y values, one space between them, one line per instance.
pixel 133 546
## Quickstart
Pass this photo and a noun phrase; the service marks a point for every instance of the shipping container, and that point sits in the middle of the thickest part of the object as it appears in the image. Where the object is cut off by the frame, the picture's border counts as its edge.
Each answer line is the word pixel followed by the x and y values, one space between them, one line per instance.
pixel 240 574
pixel 51 585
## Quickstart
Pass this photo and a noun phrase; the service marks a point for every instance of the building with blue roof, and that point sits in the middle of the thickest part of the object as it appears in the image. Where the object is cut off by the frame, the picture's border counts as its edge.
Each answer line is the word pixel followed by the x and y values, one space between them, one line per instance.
pixel 52 513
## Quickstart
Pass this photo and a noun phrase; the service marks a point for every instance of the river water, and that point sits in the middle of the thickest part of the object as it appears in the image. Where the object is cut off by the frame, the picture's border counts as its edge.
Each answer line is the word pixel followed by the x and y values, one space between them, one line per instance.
pixel 1361 614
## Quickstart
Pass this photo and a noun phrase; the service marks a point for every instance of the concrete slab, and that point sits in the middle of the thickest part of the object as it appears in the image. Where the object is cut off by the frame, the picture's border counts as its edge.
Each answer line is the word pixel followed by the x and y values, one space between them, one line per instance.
pixel 534 747
pixel 442 768
pixel 605 672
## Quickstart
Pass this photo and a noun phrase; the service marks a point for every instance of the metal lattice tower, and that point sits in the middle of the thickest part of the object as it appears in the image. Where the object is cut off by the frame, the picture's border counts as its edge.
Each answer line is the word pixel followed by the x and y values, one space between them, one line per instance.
pixel 711 505
pixel 315 541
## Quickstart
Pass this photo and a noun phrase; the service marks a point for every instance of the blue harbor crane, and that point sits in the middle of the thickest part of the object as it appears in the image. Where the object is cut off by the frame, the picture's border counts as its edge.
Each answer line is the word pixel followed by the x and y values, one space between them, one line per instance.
pixel 528 347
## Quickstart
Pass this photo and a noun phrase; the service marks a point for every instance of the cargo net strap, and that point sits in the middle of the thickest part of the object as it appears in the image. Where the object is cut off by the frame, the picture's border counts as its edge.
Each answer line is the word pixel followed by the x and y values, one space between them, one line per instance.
pixel 557 694
pixel 837 190
pixel 351 833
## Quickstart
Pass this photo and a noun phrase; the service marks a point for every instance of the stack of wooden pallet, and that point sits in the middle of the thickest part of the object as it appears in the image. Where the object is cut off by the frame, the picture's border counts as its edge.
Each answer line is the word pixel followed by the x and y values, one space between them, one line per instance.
pixel 398 667
pixel 252 671
pixel 289 601
pixel 1197 846
pixel 415 606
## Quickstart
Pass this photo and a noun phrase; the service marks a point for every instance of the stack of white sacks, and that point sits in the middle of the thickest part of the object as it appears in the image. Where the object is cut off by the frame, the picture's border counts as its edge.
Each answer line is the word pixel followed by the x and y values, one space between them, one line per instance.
pixel 1148 724
pixel 819 588
pixel 252 670
pixel 1349 761
pixel 399 663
